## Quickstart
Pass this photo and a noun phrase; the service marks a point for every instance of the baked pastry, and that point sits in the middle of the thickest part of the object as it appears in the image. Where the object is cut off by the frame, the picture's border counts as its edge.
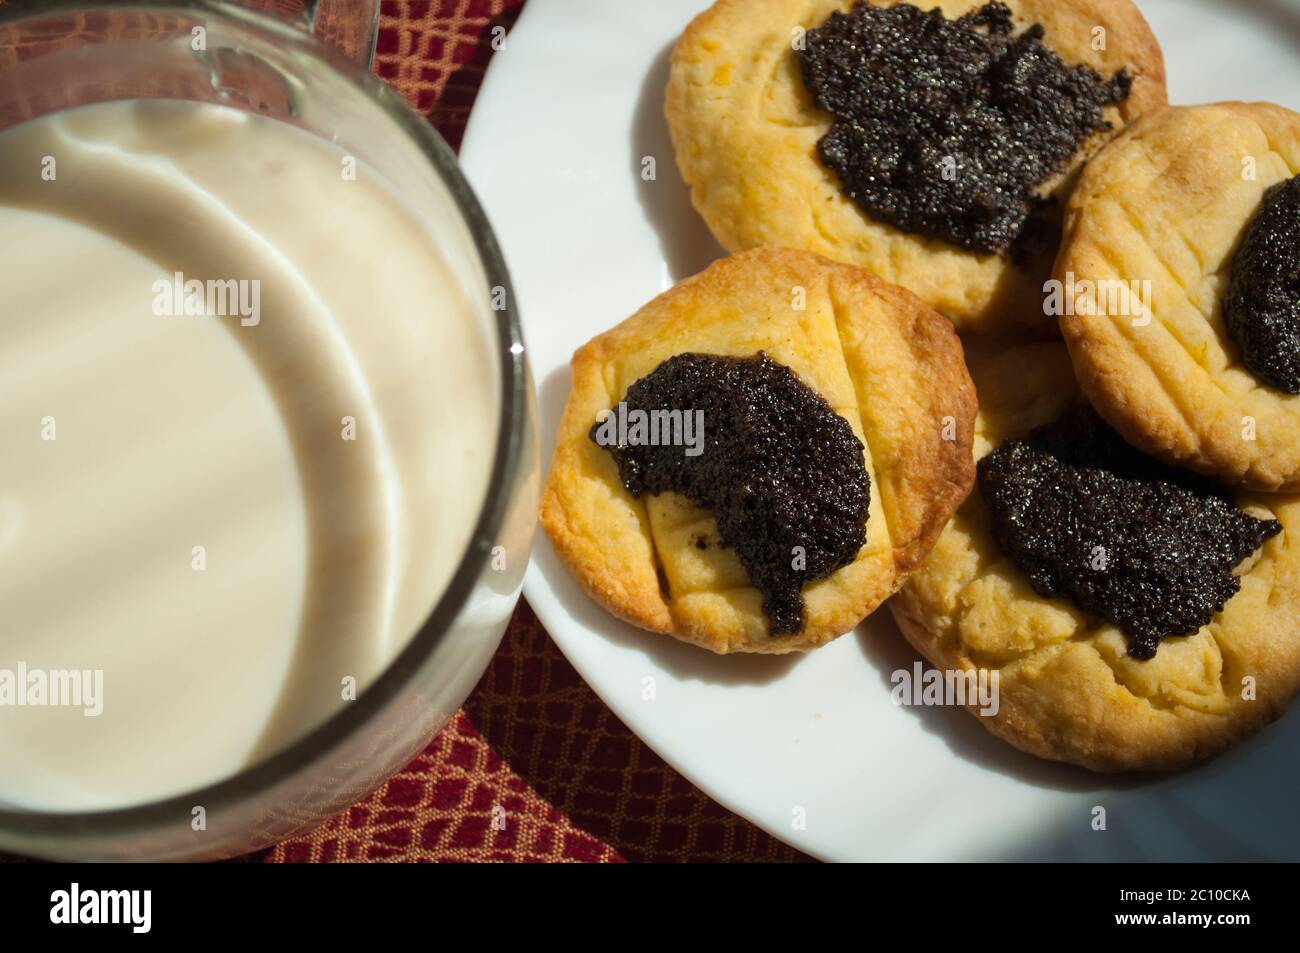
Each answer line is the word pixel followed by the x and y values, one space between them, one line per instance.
pixel 1183 237
pixel 1151 547
pixel 816 381
pixel 934 179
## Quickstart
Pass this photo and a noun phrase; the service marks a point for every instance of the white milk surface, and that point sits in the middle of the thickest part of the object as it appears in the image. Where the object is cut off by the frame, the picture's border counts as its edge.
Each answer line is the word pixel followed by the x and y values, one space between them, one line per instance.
pixel 187 517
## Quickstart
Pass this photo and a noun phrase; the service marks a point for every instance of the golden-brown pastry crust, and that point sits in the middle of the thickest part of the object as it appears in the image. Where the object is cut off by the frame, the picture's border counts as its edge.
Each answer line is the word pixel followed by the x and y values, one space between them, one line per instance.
pixel 745 132
pixel 1166 202
pixel 883 360
pixel 1068 690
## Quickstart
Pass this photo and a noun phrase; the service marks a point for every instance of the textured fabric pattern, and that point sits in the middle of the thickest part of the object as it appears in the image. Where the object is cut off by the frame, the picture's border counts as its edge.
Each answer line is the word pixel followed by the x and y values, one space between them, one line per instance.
pixel 434 52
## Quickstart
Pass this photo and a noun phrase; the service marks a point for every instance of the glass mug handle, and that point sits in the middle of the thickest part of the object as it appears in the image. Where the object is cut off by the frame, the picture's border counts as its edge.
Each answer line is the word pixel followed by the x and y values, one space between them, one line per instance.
pixel 350 26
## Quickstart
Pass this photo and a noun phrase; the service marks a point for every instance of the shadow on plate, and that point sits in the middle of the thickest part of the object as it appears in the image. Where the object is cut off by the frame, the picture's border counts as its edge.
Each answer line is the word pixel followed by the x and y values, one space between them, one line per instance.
pixel 888 651
pixel 687 246
pixel 1283 15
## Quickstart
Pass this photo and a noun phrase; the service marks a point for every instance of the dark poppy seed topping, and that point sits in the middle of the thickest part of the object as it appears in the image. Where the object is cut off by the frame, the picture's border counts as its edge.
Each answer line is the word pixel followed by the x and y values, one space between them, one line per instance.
pixel 1262 307
pixel 946 128
pixel 1145 546
pixel 782 472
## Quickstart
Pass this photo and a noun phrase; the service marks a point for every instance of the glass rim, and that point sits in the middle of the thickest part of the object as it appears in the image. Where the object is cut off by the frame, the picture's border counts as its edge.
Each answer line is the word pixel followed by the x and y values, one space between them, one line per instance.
pixel 507 459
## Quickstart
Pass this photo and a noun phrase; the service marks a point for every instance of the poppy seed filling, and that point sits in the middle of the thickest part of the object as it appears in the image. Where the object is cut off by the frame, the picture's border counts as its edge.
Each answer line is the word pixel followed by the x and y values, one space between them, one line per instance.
pixel 782 472
pixel 1145 546
pixel 1262 306
pixel 946 128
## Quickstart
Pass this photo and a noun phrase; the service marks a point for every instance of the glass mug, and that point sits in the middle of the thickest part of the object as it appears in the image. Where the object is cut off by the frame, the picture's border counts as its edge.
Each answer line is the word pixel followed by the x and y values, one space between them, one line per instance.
pixel 304 63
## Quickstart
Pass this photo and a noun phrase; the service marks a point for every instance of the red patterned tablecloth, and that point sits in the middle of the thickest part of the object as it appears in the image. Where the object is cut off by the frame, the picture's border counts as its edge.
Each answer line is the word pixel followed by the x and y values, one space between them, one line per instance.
pixel 575 783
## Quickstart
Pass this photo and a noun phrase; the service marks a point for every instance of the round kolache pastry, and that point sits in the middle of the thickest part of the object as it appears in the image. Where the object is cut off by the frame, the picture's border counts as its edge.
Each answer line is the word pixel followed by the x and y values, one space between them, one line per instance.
pixel 931 146
pixel 1180 277
pixel 1137 616
pixel 755 460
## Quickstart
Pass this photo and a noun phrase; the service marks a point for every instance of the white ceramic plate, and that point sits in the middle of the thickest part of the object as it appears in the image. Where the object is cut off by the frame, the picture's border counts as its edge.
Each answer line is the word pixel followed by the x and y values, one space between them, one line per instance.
pixel 810 747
